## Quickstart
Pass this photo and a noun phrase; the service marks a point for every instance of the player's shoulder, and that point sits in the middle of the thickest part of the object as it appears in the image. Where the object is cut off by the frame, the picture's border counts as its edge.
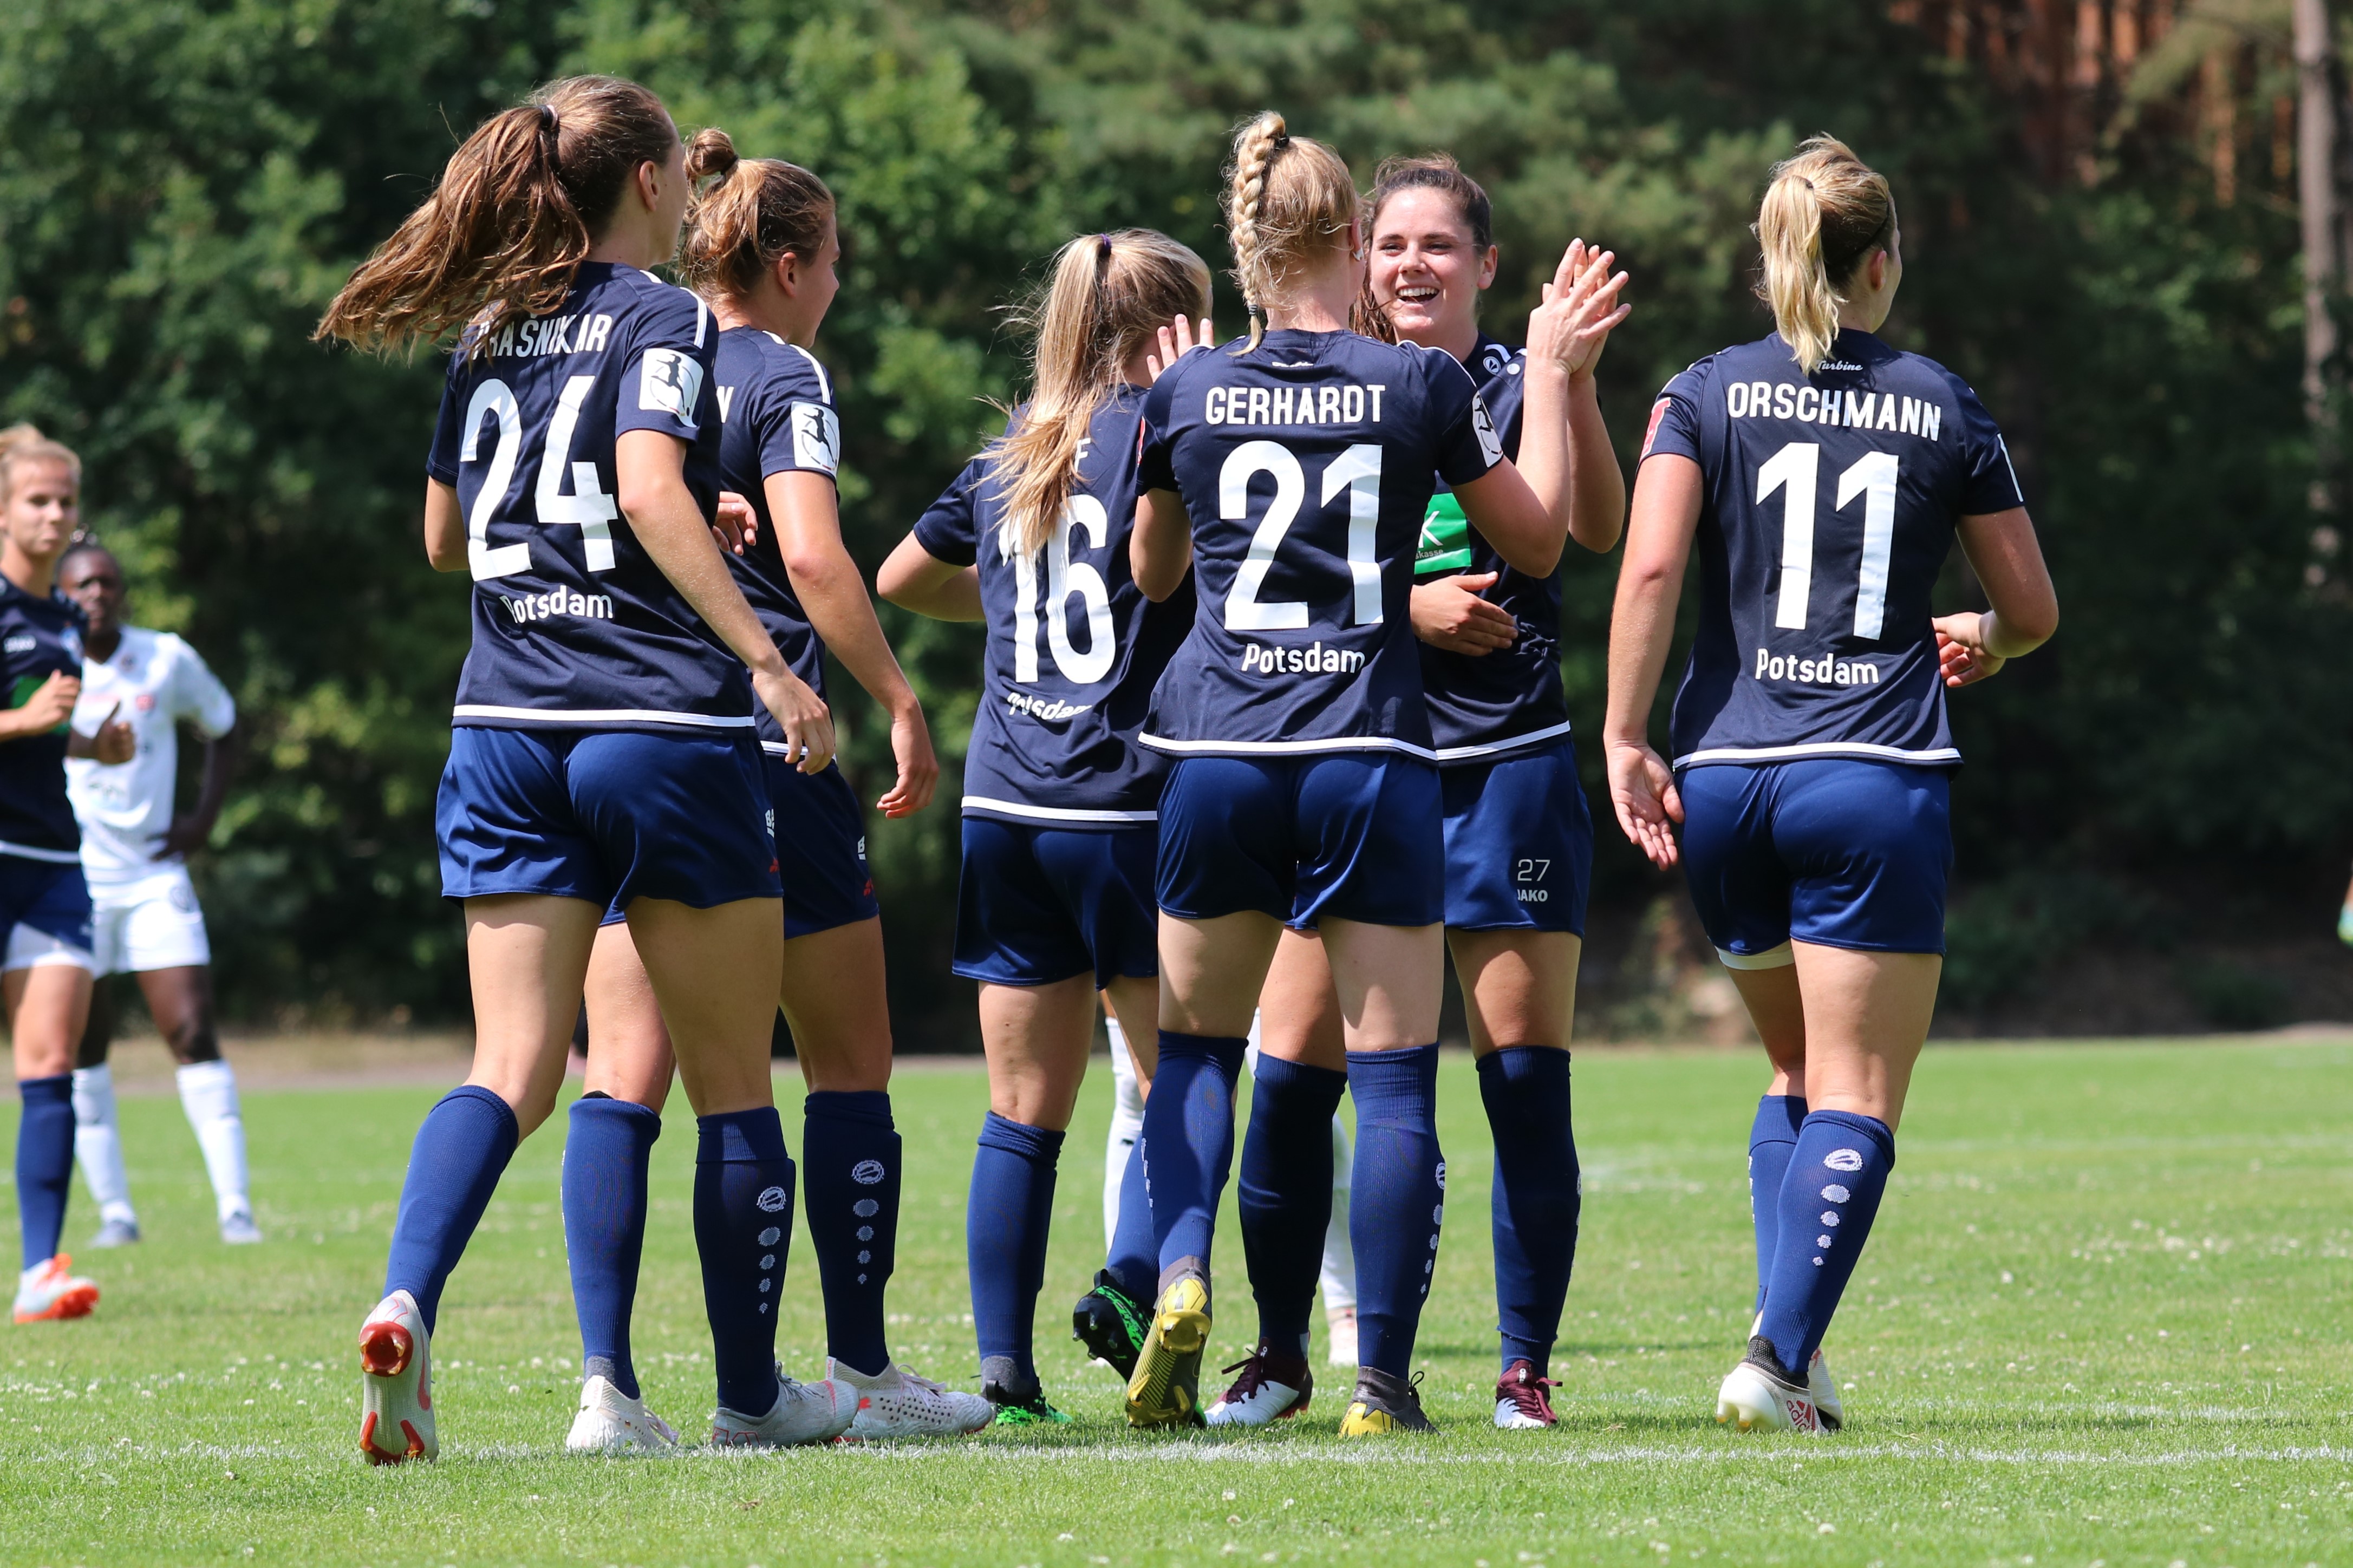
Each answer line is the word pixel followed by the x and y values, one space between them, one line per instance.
pixel 1930 376
pixel 1492 358
pixel 650 303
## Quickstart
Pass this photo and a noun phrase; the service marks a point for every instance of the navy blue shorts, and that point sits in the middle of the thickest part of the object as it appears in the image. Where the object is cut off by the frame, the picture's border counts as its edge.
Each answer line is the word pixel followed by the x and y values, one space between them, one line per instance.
pixel 1838 851
pixel 608 816
pixel 1353 835
pixel 49 897
pixel 1035 905
pixel 1519 843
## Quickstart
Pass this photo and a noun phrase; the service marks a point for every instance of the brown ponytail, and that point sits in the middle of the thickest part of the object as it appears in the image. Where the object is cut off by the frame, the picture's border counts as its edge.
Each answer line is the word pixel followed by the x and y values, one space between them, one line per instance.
pixel 519 205
pixel 753 212
pixel 1287 199
pixel 1822 216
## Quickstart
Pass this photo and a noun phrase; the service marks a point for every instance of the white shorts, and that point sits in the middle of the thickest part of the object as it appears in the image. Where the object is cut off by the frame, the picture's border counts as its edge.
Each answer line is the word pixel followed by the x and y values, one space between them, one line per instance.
pixel 150 923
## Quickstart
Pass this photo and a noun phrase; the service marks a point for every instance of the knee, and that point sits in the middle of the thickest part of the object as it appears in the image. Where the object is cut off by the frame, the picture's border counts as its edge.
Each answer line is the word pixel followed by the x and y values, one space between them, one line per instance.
pixel 193 1040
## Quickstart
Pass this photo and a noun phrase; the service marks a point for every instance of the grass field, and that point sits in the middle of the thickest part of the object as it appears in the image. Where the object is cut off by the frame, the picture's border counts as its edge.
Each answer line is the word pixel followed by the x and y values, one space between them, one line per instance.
pixel 2104 1320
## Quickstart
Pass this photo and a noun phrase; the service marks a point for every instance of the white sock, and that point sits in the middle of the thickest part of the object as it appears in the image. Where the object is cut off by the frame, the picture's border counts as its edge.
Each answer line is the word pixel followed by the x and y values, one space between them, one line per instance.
pixel 208 1094
pixel 97 1143
pixel 1126 1125
pixel 1339 1256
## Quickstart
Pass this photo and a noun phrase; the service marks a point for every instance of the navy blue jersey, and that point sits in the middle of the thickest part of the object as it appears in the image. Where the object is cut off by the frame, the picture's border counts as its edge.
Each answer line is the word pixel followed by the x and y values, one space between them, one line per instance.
pixel 1074 647
pixel 573 624
pixel 1305 465
pixel 776 415
pixel 1485 706
pixel 38 639
pixel 1828 509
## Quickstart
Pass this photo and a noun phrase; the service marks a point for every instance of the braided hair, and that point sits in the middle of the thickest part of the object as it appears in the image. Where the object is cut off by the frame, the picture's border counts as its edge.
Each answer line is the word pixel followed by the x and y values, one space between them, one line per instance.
pixel 1288 198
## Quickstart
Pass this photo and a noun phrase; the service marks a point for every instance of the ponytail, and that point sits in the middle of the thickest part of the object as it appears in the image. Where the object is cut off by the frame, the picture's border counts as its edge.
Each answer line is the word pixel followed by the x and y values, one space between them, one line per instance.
pixel 1287 199
pixel 753 212
pixel 1823 215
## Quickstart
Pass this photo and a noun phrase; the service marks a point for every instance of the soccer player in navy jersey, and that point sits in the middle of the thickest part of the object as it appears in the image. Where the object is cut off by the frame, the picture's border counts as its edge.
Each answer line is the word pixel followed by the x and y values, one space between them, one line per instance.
pixel 604 750
pixel 45 908
pixel 1519 840
pixel 1061 804
pixel 1825 475
pixel 1291 470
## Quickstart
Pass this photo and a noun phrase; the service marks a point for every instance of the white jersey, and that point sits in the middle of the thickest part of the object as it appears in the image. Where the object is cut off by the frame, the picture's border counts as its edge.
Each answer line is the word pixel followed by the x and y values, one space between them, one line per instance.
pixel 124 808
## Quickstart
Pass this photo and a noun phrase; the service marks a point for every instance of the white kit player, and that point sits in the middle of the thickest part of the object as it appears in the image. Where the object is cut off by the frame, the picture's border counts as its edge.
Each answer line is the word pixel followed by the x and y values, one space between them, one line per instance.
pixel 147 921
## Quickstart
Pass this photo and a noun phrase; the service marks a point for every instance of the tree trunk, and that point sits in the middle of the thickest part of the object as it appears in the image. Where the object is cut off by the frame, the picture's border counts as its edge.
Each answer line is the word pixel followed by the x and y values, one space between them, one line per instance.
pixel 2319 197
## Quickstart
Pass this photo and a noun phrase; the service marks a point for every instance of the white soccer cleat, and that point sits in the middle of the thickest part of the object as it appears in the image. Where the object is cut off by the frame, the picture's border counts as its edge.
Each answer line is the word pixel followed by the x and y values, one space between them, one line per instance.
pixel 1755 1398
pixel 116 1233
pixel 610 1421
pixel 1825 1391
pixel 47 1293
pixel 804 1413
pixel 1268 1390
pixel 396 1384
pixel 1343 1324
pixel 238 1229
pixel 895 1403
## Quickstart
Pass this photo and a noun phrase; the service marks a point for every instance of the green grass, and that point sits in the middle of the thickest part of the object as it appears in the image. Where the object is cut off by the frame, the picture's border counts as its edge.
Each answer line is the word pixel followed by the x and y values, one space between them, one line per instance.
pixel 2104 1319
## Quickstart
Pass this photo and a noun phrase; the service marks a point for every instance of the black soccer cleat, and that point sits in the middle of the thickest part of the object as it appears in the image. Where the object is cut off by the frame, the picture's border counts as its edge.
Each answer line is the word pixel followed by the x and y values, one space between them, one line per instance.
pixel 1111 1324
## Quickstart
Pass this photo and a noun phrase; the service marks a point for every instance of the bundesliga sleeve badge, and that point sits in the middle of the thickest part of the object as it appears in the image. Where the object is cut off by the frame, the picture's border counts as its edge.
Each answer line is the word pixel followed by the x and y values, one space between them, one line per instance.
pixel 670 383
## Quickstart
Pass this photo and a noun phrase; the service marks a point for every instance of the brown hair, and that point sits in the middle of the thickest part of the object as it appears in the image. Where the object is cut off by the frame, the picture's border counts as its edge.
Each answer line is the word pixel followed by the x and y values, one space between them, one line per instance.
pixel 1823 215
pixel 21 444
pixel 1287 199
pixel 753 213
pixel 1437 171
pixel 1111 293
pixel 517 208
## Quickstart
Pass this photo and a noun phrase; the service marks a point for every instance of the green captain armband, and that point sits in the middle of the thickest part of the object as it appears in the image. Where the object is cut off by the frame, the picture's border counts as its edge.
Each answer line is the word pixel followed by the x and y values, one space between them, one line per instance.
pixel 1445 545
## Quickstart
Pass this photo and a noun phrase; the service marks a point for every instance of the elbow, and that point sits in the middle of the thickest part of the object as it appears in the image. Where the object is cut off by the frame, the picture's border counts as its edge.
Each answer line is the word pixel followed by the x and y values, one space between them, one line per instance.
pixel 442 559
pixel 2035 626
pixel 810 569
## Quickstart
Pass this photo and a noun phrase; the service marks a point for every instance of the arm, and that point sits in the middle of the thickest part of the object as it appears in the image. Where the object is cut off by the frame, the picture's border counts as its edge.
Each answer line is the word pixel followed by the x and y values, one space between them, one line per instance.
pixel 1160 551
pixel 914 579
pixel 649 473
pixel 1565 453
pixel 826 581
pixel 444 528
pixel 189 832
pixel 1449 614
pixel 2003 553
pixel 1642 624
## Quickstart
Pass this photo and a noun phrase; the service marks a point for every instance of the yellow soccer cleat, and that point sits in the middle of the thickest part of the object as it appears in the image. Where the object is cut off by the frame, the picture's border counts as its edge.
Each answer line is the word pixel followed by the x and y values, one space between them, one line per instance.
pixel 1165 1389
pixel 1385 1404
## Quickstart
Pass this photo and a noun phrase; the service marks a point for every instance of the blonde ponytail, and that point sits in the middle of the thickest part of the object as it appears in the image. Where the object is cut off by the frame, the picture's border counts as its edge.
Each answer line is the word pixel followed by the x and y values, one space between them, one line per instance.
pixel 1287 199
pixel 1110 295
pixel 1823 215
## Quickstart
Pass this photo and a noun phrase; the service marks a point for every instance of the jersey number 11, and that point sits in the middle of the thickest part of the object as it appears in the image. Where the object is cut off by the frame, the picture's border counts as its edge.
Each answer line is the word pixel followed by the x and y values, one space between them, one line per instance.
pixel 1792 471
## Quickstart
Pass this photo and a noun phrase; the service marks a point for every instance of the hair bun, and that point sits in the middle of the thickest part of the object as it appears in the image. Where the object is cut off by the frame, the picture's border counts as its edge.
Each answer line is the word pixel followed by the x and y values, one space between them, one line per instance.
pixel 712 154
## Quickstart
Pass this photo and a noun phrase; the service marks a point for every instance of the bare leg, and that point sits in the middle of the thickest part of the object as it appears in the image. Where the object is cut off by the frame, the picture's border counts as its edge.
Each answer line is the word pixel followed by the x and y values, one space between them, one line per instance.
pixel 1299 1007
pixel 1866 1019
pixel 1036 1038
pixel 629 1055
pixel 1778 1010
pixel 1134 1002
pixel 1519 987
pixel 710 970
pixel 180 1000
pixel 528 957
pixel 49 1008
pixel 834 998
pixel 1390 980
pixel 1211 971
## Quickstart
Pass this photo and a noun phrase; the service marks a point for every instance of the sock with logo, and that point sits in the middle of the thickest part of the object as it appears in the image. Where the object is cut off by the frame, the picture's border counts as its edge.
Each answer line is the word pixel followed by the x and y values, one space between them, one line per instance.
pixel 1838 1172
pixel 850 1159
pixel 209 1097
pixel 1771 1140
pixel 605 1159
pixel 1189 1143
pixel 98 1145
pixel 1007 1221
pixel 1537 1196
pixel 1285 1191
pixel 744 1230
pixel 454 1167
pixel 1397 1201
pixel 45 1160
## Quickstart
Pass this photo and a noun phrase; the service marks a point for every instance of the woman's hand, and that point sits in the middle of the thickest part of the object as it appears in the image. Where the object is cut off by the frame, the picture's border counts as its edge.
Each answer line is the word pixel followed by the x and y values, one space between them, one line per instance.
pixel 737 524
pixel 1449 614
pixel 919 769
pixel 801 714
pixel 1643 788
pixel 53 705
pixel 114 743
pixel 1580 309
pixel 1178 340
pixel 1962 656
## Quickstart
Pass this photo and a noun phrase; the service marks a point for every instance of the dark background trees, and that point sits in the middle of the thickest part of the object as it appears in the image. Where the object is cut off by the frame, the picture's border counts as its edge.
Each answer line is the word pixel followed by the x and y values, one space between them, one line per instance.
pixel 2100 217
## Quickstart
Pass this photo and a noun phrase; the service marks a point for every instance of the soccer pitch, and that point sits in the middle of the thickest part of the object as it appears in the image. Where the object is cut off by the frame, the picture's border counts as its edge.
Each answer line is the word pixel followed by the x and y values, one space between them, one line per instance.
pixel 2103 1319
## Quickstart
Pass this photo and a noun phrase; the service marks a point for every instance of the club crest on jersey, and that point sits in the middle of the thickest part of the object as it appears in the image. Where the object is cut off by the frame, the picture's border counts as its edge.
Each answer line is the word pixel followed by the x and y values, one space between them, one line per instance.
pixel 670 383
pixel 817 437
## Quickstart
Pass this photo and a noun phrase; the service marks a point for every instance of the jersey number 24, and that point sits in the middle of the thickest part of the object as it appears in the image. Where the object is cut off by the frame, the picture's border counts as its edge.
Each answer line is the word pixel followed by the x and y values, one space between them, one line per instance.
pixel 588 506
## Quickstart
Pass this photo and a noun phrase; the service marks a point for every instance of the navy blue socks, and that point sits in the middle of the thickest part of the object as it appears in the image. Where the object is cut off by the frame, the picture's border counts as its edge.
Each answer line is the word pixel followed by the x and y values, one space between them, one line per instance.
pixel 1536 1195
pixel 460 1152
pixel 849 1154
pixel 1007 1221
pixel 45 1145
pixel 1396 1199
pixel 1135 1258
pixel 1286 1192
pixel 1837 1175
pixel 743 1228
pixel 1189 1143
pixel 1771 1141
pixel 604 1158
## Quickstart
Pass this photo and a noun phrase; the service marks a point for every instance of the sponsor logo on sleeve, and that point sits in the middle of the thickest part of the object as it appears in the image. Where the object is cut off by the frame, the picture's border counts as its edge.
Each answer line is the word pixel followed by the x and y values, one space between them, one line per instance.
pixel 1651 431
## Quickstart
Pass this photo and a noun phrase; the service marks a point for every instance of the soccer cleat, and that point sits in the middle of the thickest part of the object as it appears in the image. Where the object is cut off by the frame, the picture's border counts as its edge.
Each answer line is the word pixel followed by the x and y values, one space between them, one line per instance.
pixel 895 1403
pixel 1384 1403
pixel 1019 1401
pixel 1825 1390
pixel 396 1384
pixel 1111 1323
pixel 116 1233
pixel 1522 1402
pixel 46 1293
pixel 1343 1324
pixel 238 1229
pixel 804 1413
pixel 611 1422
pixel 1757 1396
pixel 1270 1388
pixel 1165 1389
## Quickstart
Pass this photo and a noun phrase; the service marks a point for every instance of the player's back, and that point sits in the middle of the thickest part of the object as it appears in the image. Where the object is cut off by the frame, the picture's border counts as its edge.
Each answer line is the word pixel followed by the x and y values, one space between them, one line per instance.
pixel 776 415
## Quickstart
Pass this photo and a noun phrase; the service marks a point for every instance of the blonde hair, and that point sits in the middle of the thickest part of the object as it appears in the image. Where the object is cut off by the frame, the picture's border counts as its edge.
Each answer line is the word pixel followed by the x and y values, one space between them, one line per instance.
pixel 1823 214
pixel 1288 198
pixel 753 212
pixel 21 444
pixel 1111 293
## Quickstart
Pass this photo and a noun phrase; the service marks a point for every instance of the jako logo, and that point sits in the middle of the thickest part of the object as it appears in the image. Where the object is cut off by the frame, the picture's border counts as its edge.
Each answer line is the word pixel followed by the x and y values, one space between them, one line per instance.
pixel 773 1200
pixel 866 1172
pixel 1441 1175
pixel 1843 1160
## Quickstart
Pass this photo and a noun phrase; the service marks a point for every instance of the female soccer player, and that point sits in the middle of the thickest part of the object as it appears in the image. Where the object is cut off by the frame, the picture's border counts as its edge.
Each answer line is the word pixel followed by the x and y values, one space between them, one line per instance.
pixel 1054 901
pixel 1293 471
pixel 603 751
pixel 1825 475
pixel 1519 842
pixel 43 901
pixel 760 249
